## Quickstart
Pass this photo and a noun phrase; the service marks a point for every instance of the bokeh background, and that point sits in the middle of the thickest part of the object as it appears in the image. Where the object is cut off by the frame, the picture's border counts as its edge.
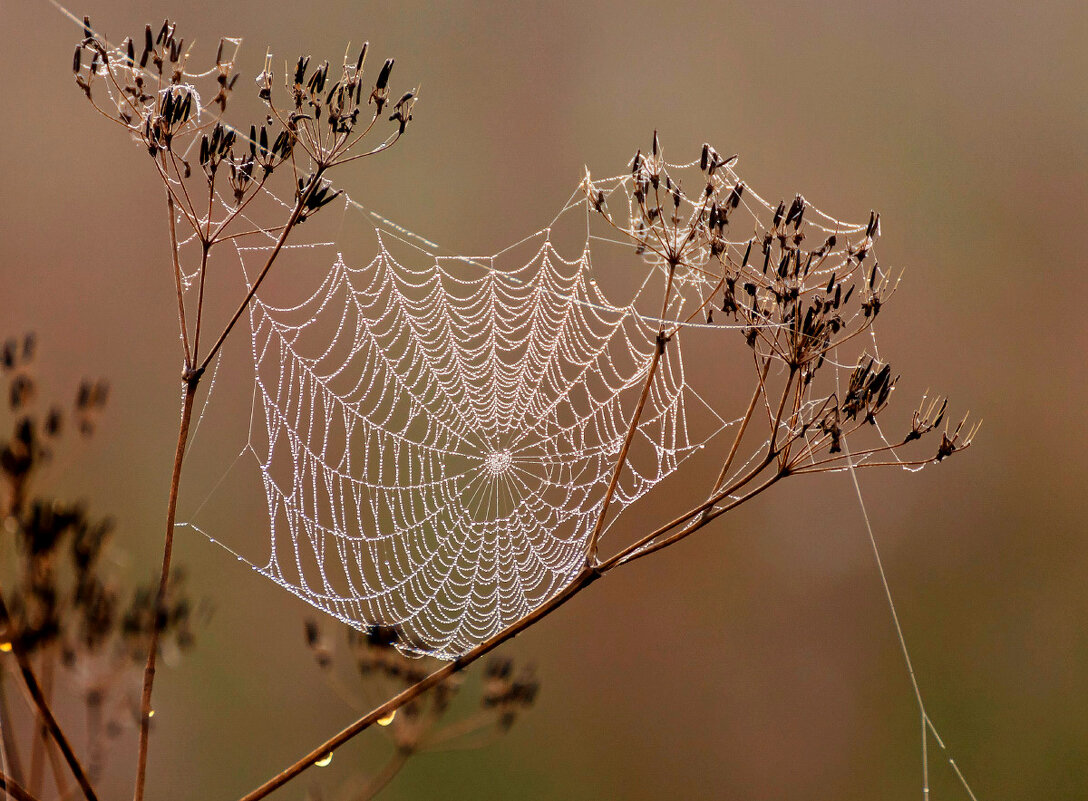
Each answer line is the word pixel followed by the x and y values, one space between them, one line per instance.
pixel 758 660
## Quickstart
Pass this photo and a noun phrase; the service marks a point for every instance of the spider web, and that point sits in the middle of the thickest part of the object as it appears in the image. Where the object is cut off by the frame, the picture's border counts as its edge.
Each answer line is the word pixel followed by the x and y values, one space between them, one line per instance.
pixel 438 463
pixel 435 433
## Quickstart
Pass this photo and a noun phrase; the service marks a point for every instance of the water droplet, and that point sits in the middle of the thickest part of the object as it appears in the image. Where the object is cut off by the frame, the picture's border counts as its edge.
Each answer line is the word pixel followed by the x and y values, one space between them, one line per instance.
pixel 324 761
pixel 387 719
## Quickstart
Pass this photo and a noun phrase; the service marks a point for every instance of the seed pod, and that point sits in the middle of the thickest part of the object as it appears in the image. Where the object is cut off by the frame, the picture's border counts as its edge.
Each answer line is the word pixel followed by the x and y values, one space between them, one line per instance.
pixel 383 76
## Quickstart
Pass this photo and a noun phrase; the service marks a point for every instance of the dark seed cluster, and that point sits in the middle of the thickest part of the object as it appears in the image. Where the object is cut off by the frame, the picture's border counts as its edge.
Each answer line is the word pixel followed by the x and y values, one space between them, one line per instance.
pixel 797 292
pixel 177 113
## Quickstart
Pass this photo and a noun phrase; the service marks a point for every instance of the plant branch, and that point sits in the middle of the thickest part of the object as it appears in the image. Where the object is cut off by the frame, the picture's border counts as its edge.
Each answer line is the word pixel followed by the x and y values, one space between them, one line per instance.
pixel 13 789
pixel 621 459
pixel 740 431
pixel 714 512
pixel 42 705
pixel 188 396
pixel 40 738
pixel 581 581
pixel 172 212
pixel 7 741
pixel 584 579
pixel 291 221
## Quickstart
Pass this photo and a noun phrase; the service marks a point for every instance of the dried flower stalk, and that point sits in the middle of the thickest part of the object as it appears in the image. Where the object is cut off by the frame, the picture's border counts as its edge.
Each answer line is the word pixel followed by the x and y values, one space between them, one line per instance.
pixel 156 99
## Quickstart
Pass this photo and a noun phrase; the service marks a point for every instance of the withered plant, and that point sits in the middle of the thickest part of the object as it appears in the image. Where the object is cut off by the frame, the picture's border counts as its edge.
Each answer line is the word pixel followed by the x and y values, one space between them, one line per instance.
pixel 797 305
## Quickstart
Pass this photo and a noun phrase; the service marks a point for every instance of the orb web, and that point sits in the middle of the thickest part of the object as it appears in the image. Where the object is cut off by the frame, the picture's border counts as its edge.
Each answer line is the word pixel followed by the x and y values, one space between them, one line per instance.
pixel 440 432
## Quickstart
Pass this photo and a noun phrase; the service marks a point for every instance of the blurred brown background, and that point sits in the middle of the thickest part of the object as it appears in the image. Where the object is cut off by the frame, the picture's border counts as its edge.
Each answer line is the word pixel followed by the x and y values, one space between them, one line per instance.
pixel 757 661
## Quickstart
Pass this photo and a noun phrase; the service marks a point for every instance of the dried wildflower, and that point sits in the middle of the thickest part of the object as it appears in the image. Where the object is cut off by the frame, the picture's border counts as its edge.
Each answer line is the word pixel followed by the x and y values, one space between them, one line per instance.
pixel 795 305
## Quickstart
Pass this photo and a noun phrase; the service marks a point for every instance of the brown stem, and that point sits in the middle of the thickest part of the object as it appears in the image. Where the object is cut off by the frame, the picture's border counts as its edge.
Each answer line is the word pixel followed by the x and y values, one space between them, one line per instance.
pixel 621 459
pixel 8 742
pixel 26 671
pixel 781 407
pixel 177 273
pixel 679 535
pixel 740 432
pixel 584 579
pixel 56 769
pixel 41 734
pixel 707 506
pixel 291 221
pixel 188 396
pixel 14 789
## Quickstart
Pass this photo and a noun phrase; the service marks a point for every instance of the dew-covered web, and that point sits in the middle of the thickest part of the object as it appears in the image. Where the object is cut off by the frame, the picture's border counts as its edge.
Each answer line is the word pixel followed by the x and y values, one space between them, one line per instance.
pixel 438 463
pixel 435 433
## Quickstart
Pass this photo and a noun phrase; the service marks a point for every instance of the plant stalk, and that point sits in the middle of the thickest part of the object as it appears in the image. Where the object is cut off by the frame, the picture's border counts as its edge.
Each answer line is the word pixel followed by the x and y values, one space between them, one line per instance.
pixel 621 459
pixel 46 714
pixel 588 575
pixel 12 788
pixel 188 396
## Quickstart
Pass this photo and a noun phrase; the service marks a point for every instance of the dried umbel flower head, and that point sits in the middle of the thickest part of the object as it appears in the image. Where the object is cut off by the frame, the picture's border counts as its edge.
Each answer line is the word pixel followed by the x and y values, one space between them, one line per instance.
pixel 799 293
pixel 170 107
pixel 213 170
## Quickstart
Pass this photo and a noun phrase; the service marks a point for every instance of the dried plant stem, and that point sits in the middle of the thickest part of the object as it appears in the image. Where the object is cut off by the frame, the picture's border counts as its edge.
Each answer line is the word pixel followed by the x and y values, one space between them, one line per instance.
pixel 40 740
pixel 14 789
pixel 7 741
pixel 588 575
pixel 621 459
pixel 188 396
pixel 57 770
pixel 296 212
pixel 174 255
pixel 26 670
pixel 740 431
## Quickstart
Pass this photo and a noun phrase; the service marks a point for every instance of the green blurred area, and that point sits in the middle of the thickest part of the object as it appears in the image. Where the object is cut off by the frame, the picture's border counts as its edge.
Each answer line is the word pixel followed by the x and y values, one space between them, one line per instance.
pixel 757 660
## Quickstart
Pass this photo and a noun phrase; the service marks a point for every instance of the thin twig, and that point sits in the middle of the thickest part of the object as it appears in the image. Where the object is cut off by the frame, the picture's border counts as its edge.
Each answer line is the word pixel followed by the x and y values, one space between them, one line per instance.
pixel 291 221
pixel 741 430
pixel 580 582
pixel 31 681
pixel 7 741
pixel 621 458
pixel 14 789
pixel 40 738
pixel 177 275
pixel 584 579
